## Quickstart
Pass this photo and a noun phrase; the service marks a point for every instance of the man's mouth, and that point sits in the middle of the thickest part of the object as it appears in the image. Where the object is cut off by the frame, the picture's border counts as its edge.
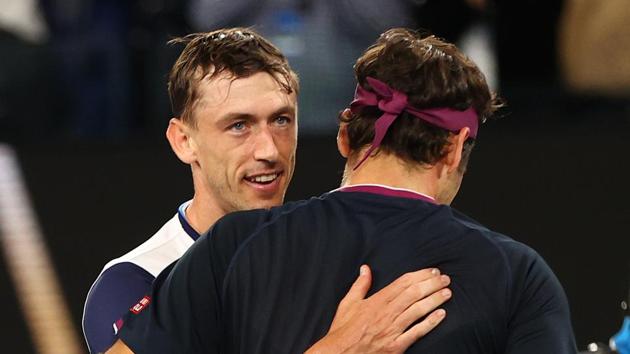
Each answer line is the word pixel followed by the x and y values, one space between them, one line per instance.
pixel 264 178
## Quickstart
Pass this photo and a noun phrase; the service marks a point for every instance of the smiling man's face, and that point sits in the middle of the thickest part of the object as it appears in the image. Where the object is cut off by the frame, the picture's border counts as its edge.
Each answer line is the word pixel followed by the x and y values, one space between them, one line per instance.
pixel 244 140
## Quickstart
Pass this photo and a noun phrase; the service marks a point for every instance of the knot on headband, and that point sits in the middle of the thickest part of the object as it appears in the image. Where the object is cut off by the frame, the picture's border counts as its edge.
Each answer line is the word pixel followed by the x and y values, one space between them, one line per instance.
pixel 393 102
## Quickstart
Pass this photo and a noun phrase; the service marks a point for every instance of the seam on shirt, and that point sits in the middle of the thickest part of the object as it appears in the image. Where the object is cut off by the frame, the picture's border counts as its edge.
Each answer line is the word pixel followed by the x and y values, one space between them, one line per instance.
pixel 157 245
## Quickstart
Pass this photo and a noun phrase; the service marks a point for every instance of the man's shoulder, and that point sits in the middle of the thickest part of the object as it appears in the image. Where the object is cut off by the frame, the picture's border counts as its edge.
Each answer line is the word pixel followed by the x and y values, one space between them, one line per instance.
pixel 168 244
pixel 115 290
pixel 246 222
pixel 126 279
pixel 504 242
pixel 524 262
pixel 118 280
pixel 235 231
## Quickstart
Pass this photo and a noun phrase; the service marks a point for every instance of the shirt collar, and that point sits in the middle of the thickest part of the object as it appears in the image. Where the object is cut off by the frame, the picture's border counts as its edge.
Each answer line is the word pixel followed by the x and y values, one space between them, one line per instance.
pixel 181 215
pixel 387 191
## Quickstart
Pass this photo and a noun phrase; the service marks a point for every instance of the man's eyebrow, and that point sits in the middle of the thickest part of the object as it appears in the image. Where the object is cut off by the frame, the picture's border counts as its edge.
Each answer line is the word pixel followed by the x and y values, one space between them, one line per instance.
pixel 235 116
pixel 290 110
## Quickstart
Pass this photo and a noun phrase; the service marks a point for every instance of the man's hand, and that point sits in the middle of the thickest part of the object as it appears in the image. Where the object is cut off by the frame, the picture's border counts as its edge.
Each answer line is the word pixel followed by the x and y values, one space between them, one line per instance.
pixel 379 323
pixel 119 347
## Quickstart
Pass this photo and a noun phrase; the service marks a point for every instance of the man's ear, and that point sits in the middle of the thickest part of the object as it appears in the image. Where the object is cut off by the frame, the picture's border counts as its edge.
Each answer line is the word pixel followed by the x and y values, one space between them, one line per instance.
pixel 454 156
pixel 183 144
pixel 343 143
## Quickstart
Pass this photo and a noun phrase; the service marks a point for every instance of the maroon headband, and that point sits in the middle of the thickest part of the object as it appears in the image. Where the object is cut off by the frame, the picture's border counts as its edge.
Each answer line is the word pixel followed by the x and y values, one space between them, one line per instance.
pixel 393 102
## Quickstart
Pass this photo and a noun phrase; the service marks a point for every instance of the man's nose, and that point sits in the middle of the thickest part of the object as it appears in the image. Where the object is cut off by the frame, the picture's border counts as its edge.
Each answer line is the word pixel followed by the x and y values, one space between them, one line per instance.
pixel 265 147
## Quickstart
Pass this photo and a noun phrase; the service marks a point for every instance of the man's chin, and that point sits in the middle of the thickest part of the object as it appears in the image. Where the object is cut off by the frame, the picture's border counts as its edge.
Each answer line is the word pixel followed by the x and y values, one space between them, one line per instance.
pixel 266 203
pixel 265 197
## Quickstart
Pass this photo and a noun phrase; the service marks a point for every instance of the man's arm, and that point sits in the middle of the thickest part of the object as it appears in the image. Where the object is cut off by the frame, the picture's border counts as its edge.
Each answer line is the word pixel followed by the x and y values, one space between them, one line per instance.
pixel 379 323
pixel 113 293
pixel 540 320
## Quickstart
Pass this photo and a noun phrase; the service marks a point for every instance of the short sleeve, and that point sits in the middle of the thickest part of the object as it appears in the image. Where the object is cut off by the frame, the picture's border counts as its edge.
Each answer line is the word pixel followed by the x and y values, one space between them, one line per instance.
pixel 540 320
pixel 183 315
pixel 113 293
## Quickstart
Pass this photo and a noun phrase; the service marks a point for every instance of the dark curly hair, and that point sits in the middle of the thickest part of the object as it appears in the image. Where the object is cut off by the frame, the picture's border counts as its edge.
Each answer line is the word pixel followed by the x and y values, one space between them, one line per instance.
pixel 433 73
pixel 239 51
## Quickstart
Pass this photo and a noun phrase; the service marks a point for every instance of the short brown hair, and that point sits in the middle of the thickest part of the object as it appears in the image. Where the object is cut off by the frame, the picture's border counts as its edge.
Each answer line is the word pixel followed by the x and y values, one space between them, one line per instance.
pixel 433 73
pixel 239 51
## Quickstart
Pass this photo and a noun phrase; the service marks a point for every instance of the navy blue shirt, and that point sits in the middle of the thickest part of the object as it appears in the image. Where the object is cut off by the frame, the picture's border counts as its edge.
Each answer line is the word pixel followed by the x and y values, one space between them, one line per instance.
pixel 269 281
pixel 126 280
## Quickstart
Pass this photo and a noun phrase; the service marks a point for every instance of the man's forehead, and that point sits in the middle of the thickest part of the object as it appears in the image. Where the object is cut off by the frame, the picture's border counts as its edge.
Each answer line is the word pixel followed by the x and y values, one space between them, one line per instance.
pixel 226 89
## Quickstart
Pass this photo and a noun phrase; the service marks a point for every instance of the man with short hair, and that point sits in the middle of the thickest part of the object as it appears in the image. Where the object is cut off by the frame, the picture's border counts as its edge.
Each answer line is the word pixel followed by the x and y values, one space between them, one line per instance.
pixel 270 280
pixel 234 97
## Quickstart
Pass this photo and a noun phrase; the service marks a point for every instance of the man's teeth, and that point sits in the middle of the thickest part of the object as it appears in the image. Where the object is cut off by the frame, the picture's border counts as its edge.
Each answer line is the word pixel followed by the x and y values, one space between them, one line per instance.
pixel 264 178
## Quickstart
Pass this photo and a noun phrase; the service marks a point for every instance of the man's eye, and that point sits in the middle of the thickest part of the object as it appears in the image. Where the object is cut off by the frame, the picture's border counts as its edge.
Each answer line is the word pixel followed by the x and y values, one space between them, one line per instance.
pixel 237 126
pixel 282 120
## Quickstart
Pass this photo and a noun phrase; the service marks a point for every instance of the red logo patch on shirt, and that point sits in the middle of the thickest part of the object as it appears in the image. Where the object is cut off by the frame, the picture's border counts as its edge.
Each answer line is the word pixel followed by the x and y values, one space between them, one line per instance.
pixel 141 305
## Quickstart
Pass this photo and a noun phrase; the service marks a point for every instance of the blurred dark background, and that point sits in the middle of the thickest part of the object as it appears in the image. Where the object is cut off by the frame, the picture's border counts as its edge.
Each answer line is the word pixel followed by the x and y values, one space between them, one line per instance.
pixel 83 102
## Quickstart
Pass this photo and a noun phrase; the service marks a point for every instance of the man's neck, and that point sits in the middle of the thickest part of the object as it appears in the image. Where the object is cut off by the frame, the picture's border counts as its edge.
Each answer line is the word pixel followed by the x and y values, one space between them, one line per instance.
pixel 202 212
pixel 390 171
pixel 200 215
